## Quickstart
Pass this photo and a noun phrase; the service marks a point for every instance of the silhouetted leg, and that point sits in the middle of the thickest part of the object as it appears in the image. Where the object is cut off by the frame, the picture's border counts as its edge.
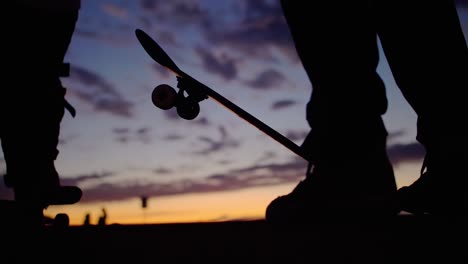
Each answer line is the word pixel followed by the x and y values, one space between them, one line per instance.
pixel 427 53
pixel 30 133
pixel 337 45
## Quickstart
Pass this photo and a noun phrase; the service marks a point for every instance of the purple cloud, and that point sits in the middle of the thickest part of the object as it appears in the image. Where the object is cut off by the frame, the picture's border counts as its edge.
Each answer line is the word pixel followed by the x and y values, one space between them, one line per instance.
pixel 98 92
pixel 115 11
pixel 126 134
pixel 149 4
pixel 172 115
pixel 174 12
pixel 162 170
pixel 173 137
pixel 256 175
pixel 86 177
pixel 266 80
pixel 217 145
pixel 259 26
pixel 400 153
pixel 222 65
pixel 296 135
pixel 264 175
pixel 282 104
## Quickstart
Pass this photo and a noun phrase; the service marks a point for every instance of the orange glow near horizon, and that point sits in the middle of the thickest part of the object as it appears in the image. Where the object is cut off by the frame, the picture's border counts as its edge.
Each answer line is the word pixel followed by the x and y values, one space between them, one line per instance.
pixel 244 204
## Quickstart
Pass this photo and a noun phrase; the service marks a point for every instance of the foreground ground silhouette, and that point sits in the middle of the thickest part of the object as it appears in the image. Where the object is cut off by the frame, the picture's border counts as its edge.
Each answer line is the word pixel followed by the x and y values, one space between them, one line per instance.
pixel 403 239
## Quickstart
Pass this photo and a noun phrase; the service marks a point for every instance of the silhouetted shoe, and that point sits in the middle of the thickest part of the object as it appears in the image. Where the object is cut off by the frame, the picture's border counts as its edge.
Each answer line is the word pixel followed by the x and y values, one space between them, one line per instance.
pixel 64 195
pixel 293 207
pixel 43 197
pixel 338 191
pixel 432 195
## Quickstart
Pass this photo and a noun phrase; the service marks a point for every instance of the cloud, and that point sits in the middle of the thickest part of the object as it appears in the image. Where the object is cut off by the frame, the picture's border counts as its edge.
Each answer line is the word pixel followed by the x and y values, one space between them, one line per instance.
pixel 224 162
pixel 253 28
pixel 115 11
pixel 172 115
pixel 142 134
pixel 268 79
pixel 86 33
pixel 116 39
pixel 149 4
pixel 143 131
pixel 126 134
pixel 222 64
pixel 112 29
pixel 257 175
pixel 202 121
pixel 295 135
pixel 162 170
pixel 401 153
pixel 113 192
pixel 217 145
pixel 63 140
pixel 396 134
pixel 174 12
pixel 268 155
pixel 98 92
pixel 77 180
pixel 173 137
pixel 258 29
pixel 121 131
pixel 188 11
pixel 282 104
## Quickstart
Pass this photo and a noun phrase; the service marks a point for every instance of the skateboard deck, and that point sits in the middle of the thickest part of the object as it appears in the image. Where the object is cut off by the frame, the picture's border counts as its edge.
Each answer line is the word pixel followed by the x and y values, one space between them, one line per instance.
pixel 165 97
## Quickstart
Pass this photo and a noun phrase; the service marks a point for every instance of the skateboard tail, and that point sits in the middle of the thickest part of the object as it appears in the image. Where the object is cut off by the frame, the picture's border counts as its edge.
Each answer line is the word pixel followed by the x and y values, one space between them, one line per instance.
pixel 258 124
pixel 156 52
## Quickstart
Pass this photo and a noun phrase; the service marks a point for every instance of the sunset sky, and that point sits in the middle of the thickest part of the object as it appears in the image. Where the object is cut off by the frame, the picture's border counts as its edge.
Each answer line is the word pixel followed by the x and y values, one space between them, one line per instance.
pixel 216 167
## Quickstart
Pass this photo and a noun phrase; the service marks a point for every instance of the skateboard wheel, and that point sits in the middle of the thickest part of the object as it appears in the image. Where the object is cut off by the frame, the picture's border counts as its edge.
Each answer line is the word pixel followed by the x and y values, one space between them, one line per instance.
pixel 188 109
pixel 164 96
pixel 61 220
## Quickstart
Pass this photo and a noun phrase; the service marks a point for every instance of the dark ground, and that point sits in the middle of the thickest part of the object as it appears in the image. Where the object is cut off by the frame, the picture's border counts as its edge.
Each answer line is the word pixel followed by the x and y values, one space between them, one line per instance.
pixel 405 239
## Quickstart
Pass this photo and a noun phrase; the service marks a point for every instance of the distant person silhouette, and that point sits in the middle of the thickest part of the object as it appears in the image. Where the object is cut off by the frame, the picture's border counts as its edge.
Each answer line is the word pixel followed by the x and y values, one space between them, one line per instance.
pixel 32 99
pixel 103 218
pixel 350 172
pixel 87 219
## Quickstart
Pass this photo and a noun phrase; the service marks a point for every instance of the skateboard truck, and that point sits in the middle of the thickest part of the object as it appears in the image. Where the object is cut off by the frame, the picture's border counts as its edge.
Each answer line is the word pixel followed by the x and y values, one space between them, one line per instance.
pixel 188 107
pixel 166 97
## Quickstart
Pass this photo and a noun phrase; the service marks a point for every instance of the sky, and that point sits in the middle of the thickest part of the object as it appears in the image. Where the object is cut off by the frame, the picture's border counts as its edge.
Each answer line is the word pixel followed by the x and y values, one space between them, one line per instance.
pixel 120 147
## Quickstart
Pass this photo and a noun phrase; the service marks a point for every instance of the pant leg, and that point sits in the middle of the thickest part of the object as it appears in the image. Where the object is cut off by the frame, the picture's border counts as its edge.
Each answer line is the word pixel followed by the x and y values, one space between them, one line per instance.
pixel 31 125
pixel 337 45
pixel 427 52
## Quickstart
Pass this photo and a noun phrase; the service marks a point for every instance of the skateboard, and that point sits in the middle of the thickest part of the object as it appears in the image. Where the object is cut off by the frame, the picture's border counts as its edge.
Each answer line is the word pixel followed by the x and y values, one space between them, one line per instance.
pixel 14 214
pixel 188 107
